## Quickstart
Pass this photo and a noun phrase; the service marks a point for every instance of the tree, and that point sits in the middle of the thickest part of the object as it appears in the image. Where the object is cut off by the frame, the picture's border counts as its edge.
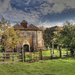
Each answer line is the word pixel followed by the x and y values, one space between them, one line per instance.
pixel 9 38
pixel 49 36
pixel 66 37
pixel 46 35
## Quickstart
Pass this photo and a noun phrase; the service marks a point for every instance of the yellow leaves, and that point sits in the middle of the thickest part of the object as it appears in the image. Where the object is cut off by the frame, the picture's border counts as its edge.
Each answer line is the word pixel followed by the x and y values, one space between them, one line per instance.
pixel 3 40
pixel 0 33
pixel 55 32
pixel 20 35
pixel 17 32
pixel 10 37
pixel 9 40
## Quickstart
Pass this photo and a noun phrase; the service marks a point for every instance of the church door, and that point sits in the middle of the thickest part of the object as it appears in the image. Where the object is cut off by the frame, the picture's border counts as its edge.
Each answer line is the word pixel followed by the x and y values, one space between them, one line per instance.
pixel 26 48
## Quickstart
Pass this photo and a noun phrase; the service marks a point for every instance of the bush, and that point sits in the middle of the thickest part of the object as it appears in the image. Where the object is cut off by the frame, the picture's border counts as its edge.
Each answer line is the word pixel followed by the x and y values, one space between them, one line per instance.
pixel 1 50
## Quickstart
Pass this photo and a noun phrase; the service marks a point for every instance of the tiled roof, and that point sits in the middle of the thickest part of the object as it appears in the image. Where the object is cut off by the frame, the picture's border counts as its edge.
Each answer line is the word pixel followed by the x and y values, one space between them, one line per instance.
pixel 17 26
pixel 32 27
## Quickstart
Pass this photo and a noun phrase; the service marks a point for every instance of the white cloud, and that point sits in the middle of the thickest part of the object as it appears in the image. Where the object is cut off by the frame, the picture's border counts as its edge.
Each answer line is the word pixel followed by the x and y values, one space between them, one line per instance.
pixel 28 2
pixel 19 15
pixel 50 24
pixel 14 14
pixel 4 5
pixel 44 8
pixel 58 8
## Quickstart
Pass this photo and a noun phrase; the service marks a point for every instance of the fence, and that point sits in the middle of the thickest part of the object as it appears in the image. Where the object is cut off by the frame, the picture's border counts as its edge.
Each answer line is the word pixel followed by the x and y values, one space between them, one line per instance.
pixel 10 57
pixel 31 56
pixel 44 55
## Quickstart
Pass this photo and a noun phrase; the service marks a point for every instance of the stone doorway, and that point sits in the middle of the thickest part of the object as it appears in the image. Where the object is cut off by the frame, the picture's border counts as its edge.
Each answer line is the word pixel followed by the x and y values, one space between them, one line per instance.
pixel 26 47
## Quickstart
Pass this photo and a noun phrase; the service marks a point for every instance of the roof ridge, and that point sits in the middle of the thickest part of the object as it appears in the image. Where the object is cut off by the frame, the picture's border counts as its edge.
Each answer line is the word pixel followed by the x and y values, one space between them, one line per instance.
pixel 33 27
pixel 17 26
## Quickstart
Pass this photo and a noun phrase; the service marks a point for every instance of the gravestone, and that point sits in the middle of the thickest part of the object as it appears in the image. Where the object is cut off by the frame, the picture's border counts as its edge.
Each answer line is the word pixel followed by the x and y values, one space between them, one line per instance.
pixel 53 56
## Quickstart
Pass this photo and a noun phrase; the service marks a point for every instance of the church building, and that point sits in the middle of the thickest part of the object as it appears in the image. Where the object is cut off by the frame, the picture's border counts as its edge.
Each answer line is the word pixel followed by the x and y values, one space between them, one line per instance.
pixel 31 37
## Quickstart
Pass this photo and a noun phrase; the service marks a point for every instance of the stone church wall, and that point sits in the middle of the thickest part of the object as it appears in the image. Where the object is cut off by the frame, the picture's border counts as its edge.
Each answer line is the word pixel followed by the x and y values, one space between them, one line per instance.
pixel 35 39
pixel 40 39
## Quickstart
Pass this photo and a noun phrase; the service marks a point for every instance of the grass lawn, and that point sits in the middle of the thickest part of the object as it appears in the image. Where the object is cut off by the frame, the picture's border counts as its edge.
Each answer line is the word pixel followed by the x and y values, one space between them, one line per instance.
pixel 60 66
pixel 56 52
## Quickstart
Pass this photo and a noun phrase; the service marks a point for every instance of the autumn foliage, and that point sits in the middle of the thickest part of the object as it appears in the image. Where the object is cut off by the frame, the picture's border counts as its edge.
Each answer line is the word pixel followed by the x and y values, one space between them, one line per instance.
pixel 9 37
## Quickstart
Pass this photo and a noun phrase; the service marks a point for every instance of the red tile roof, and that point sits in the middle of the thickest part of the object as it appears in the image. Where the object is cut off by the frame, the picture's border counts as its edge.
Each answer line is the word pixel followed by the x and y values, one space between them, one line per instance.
pixel 17 26
pixel 20 27
pixel 32 27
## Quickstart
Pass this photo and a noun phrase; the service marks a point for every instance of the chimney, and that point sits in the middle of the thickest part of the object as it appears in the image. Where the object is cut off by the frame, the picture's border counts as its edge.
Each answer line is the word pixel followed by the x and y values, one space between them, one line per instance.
pixel 24 24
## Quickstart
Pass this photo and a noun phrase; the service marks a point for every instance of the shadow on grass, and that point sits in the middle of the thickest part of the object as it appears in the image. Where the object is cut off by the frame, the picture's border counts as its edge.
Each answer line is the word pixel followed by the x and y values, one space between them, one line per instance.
pixel 64 58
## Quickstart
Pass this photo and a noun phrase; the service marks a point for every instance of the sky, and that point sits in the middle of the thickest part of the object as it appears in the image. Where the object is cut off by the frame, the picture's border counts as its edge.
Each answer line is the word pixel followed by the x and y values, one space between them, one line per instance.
pixel 47 13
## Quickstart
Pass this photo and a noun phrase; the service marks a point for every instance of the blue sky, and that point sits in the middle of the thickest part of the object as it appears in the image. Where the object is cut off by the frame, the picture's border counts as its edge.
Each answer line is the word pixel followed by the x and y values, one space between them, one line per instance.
pixel 46 13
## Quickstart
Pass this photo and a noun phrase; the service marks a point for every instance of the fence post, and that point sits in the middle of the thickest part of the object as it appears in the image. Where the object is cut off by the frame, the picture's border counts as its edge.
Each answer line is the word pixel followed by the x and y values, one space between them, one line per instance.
pixel 34 56
pixel 13 56
pixel 24 54
pixel 51 53
pixel 41 53
pixel 30 56
pixel 60 51
pixel 3 56
pixel 67 52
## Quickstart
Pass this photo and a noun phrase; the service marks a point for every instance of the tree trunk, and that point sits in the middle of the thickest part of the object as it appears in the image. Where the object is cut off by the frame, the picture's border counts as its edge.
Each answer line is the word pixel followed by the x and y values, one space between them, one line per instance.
pixel 72 53
pixel 53 47
pixel 60 51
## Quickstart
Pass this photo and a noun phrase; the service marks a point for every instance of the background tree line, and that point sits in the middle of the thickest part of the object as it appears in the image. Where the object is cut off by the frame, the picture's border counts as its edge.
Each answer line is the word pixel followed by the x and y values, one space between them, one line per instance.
pixel 61 36
pixel 49 35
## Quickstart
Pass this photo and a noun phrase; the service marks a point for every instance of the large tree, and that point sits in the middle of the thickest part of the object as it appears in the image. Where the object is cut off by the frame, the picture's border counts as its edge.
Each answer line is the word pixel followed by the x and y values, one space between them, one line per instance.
pixel 9 36
pixel 66 37
pixel 49 36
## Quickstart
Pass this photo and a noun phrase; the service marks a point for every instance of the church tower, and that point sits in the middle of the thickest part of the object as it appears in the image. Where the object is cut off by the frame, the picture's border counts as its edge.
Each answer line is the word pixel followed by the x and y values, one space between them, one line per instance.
pixel 24 24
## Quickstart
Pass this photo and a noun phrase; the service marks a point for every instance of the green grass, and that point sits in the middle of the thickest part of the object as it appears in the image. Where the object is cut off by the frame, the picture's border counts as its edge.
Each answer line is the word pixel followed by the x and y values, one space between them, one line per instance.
pixel 56 52
pixel 60 66
pixel 64 49
pixel 29 57
pixel 57 66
